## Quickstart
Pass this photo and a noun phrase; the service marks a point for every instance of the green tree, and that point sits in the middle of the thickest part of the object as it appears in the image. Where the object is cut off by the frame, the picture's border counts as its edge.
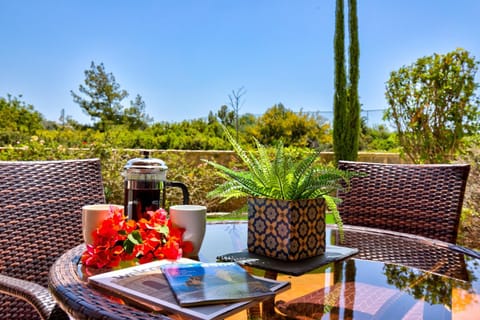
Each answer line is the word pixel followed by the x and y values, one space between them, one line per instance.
pixel 346 104
pixel 66 121
pixel 282 124
pixel 18 120
pixel 377 138
pixel 103 101
pixel 354 75
pixel 103 104
pixel 135 117
pixel 340 84
pixel 226 117
pixel 433 106
pixel 246 121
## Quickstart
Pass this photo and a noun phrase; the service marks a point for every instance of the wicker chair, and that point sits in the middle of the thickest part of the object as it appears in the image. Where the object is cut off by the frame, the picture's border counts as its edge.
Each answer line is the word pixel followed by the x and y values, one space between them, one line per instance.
pixel 424 200
pixel 40 218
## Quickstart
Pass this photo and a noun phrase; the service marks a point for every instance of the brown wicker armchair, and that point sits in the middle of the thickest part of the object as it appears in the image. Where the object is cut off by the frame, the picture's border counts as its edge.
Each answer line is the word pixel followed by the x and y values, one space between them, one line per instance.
pixel 424 200
pixel 40 218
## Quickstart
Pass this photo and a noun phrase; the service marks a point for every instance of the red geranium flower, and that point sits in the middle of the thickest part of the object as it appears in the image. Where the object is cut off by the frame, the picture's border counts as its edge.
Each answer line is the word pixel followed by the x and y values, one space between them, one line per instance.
pixel 119 239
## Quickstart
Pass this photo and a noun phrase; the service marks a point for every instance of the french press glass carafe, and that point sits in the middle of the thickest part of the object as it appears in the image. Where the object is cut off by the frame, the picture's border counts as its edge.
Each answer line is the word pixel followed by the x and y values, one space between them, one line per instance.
pixel 145 183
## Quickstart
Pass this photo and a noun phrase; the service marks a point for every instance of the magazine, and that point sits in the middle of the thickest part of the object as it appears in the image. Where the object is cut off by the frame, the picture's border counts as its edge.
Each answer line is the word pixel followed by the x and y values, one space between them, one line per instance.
pixel 210 283
pixel 145 286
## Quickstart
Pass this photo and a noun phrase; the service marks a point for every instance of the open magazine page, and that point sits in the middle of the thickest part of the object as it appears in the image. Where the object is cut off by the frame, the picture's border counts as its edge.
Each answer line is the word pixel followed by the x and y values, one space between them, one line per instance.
pixel 146 286
pixel 210 283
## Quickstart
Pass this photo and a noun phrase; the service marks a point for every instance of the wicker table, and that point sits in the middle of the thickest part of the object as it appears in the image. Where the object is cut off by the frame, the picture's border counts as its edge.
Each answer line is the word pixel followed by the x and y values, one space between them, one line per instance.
pixel 387 262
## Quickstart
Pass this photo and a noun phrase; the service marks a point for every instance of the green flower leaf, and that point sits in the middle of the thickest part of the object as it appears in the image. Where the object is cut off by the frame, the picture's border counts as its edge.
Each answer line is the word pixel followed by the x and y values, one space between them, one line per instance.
pixel 132 240
pixel 135 237
pixel 163 230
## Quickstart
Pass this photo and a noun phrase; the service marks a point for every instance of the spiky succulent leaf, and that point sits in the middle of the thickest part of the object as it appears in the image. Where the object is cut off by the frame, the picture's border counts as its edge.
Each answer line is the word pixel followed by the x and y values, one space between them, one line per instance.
pixel 248 159
pixel 260 163
pixel 239 183
pixel 331 203
pixel 302 174
pixel 279 171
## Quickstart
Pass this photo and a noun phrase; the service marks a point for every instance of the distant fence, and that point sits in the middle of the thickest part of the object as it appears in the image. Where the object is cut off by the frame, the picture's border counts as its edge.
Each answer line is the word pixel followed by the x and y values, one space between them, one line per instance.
pixel 372 116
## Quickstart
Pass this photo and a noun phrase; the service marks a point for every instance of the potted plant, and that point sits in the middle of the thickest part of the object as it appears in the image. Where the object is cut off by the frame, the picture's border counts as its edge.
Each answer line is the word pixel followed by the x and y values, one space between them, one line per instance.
pixel 286 199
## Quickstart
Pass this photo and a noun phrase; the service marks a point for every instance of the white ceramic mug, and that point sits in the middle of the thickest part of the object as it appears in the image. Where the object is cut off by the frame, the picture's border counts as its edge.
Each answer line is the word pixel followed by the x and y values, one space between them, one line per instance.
pixel 92 217
pixel 193 219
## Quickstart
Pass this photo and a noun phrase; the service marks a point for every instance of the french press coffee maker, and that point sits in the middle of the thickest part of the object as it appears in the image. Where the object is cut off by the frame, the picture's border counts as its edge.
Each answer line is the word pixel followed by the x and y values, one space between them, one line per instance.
pixel 145 186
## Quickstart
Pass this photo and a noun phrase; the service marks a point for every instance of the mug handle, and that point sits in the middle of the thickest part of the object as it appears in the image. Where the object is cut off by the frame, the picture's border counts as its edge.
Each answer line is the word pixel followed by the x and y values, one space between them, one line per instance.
pixel 176 184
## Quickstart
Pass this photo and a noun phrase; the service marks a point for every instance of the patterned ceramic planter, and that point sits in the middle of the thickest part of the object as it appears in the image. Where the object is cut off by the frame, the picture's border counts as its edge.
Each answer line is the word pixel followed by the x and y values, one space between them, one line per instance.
pixel 286 229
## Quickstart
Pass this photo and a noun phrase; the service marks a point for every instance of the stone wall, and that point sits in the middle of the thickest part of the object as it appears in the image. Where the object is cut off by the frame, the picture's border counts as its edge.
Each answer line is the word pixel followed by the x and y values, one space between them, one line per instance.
pixel 378 157
pixel 224 156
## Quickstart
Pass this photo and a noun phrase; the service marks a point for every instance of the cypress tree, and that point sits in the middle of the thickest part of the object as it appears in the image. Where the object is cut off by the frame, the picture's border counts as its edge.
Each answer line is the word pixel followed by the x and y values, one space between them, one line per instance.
pixel 346 105
pixel 353 73
pixel 340 94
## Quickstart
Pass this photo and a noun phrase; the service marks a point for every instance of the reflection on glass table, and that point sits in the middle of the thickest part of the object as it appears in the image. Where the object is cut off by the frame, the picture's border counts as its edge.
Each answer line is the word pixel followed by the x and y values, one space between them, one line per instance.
pixel 395 276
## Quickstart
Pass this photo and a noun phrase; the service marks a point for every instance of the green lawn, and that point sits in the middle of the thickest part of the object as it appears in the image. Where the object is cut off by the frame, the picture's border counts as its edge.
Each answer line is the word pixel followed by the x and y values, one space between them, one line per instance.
pixel 243 216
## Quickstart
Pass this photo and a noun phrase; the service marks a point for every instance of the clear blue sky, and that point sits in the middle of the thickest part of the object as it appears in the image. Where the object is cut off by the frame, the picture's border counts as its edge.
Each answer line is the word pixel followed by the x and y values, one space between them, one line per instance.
pixel 185 57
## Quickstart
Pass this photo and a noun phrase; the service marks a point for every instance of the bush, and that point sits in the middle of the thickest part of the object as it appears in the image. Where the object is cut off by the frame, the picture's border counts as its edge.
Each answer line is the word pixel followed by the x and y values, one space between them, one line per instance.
pixel 187 169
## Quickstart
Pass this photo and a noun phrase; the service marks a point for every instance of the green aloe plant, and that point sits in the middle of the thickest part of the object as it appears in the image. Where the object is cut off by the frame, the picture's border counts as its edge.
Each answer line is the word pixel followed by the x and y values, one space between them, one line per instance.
pixel 280 177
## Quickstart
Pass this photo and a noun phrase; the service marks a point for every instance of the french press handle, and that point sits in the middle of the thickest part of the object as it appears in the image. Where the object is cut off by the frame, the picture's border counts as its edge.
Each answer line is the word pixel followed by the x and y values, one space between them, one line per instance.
pixel 180 185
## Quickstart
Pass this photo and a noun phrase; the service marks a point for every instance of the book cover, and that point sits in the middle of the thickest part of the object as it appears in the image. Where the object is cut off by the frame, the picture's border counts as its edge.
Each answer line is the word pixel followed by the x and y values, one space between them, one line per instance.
pixel 210 283
pixel 145 286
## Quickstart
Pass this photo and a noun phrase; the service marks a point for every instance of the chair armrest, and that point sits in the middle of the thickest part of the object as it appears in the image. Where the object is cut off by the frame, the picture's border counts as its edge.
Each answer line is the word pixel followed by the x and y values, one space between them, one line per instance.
pixel 36 295
pixel 469 252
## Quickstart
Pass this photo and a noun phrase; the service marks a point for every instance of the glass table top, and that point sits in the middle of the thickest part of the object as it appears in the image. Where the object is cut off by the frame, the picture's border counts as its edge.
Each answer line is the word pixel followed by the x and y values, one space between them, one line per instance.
pixel 365 289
